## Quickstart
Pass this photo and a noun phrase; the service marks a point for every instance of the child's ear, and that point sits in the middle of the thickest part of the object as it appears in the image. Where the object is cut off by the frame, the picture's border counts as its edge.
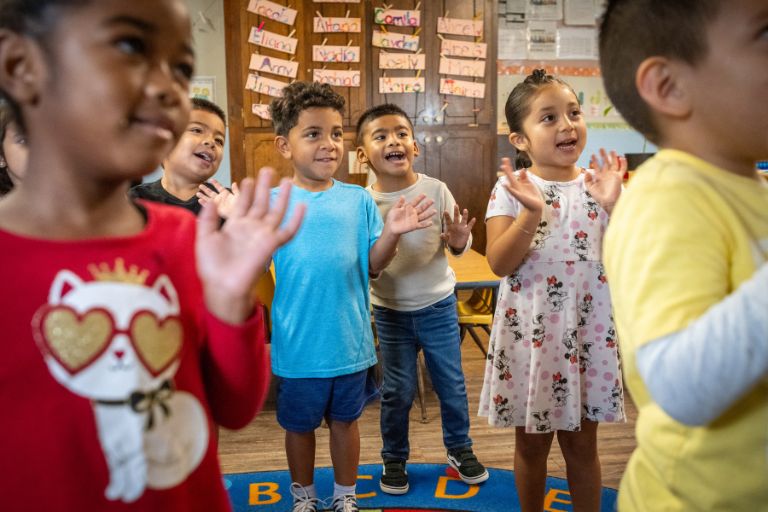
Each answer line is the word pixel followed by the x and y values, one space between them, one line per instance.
pixel 663 84
pixel 361 156
pixel 518 140
pixel 283 146
pixel 416 148
pixel 21 67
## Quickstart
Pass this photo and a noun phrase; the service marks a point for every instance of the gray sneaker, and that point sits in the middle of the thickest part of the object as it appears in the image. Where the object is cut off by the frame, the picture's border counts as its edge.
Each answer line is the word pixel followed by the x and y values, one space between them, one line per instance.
pixel 466 464
pixel 301 500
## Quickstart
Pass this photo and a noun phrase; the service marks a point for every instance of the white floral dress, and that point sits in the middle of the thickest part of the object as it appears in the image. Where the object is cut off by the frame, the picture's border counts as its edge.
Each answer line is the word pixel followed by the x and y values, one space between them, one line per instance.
pixel 553 358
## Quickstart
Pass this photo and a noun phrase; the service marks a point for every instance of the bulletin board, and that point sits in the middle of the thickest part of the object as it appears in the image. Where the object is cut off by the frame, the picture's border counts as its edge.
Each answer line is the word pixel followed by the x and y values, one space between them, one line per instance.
pixel 559 36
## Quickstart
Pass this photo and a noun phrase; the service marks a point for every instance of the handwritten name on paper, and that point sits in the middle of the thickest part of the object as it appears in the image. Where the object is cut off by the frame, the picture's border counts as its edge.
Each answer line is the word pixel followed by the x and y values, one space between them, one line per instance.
pixel 273 41
pixel 273 11
pixel 263 85
pixel 401 84
pixel 462 88
pixel 337 77
pixel 461 67
pixel 261 110
pixel 268 64
pixel 460 27
pixel 456 48
pixel 336 24
pixel 396 17
pixel 393 41
pixel 336 1
pixel 323 53
pixel 402 60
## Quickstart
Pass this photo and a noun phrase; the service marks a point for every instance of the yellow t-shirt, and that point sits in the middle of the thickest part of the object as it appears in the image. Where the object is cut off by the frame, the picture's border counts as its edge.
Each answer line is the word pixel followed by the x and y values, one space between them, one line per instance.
pixel 683 236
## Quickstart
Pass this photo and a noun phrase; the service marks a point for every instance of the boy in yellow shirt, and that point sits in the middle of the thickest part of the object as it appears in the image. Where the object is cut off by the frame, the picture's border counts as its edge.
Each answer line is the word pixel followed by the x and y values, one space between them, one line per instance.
pixel 686 248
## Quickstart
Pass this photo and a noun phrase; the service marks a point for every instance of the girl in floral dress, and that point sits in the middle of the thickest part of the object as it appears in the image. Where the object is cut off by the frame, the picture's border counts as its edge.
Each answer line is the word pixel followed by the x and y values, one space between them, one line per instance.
pixel 553 364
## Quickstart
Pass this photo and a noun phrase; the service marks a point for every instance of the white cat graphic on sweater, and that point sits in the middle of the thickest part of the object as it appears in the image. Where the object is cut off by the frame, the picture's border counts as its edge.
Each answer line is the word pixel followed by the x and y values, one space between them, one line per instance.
pixel 118 344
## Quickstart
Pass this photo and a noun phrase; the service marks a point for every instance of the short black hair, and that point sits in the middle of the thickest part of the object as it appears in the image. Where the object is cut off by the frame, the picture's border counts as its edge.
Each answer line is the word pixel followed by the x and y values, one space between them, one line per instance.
pixel 634 30
pixel 300 96
pixel 373 113
pixel 518 105
pixel 209 106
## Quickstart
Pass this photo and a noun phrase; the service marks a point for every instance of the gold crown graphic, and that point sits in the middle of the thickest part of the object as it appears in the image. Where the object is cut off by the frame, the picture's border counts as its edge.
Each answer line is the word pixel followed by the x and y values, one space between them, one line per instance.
pixel 120 274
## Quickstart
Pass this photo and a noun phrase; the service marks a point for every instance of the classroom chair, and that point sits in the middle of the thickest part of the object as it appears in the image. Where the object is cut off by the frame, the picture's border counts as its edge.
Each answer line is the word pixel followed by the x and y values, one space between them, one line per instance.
pixel 476 312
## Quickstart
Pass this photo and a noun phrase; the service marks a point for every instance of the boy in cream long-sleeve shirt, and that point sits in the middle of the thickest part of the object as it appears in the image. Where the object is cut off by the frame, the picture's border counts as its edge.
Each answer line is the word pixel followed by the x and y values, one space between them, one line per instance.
pixel 413 302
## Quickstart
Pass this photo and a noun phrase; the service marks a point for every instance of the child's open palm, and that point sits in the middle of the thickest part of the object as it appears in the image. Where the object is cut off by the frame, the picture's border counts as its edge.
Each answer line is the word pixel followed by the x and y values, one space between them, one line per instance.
pixel 405 217
pixel 521 187
pixel 231 257
pixel 221 197
pixel 604 183
pixel 457 229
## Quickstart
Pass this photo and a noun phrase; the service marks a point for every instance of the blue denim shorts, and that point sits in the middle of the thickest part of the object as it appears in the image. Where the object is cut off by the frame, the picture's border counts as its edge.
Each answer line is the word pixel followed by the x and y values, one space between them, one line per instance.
pixel 303 403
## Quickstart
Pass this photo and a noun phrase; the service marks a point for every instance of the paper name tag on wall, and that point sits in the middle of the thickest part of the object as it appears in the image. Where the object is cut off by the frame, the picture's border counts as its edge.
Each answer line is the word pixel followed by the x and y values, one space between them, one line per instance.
pixel 401 84
pixel 269 64
pixel 263 85
pixel 462 88
pixel 273 41
pixel 273 11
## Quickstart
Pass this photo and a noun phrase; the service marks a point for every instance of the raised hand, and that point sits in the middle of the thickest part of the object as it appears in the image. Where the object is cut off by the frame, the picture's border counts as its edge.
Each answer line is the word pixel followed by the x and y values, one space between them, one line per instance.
pixel 457 229
pixel 221 197
pixel 521 187
pixel 405 217
pixel 604 182
pixel 230 258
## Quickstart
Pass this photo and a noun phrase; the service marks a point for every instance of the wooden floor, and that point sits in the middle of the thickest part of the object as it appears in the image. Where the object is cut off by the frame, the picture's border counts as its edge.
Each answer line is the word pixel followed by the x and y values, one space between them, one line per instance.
pixel 259 446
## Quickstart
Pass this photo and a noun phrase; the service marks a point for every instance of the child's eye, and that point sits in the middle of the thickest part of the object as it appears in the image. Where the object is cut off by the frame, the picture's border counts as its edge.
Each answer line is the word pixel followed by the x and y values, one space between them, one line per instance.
pixel 196 129
pixel 20 139
pixel 220 142
pixel 311 135
pixel 576 113
pixel 548 118
pixel 403 134
pixel 378 137
pixel 131 45
pixel 338 135
pixel 185 70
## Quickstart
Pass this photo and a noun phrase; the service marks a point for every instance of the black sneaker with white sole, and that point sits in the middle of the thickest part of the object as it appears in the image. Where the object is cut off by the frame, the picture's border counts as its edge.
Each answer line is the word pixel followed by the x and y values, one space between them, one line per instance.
pixel 466 464
pixel 394 477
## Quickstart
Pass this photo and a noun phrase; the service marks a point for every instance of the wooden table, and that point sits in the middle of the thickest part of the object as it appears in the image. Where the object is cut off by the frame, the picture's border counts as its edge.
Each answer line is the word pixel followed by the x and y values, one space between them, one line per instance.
pixel 472 271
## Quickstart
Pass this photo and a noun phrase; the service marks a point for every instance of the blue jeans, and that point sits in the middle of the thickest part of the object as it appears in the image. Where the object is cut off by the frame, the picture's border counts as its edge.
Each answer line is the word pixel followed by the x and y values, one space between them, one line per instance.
pixel 434 329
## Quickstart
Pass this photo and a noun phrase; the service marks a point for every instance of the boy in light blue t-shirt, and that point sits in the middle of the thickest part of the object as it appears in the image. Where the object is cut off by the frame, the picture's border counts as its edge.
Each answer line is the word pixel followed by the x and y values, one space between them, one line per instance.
pixel 322 344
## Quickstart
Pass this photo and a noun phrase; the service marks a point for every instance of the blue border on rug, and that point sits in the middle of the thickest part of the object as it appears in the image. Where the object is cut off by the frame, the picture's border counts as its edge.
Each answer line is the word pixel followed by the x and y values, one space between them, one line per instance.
pixel 433 488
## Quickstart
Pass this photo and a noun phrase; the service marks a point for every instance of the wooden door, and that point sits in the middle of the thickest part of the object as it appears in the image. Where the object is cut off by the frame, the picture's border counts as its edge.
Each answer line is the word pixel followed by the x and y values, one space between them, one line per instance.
pixel 457 135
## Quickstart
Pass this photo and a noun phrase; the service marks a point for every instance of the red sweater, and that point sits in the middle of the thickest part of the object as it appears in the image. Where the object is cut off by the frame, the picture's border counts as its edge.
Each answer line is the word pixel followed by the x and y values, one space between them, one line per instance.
pixel 113 374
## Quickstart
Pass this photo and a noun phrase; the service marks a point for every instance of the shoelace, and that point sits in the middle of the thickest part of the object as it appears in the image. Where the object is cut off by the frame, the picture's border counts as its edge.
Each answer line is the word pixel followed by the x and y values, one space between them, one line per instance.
pixel 302 501
pixel 348 504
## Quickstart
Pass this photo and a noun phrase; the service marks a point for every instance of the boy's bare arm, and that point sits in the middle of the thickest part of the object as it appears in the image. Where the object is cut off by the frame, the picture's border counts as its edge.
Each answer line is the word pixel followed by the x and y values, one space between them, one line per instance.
pixel 402 218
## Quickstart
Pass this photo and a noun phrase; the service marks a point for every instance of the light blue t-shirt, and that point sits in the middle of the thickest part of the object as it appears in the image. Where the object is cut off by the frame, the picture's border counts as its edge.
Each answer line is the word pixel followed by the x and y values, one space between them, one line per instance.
pixel 321 323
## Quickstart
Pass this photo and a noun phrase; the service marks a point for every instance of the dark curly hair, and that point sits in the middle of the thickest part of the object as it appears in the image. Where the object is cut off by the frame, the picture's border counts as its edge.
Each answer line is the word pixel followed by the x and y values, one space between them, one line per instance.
pixel 300 96
pixel 373 113
pixel 518 105
pixel 634 30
